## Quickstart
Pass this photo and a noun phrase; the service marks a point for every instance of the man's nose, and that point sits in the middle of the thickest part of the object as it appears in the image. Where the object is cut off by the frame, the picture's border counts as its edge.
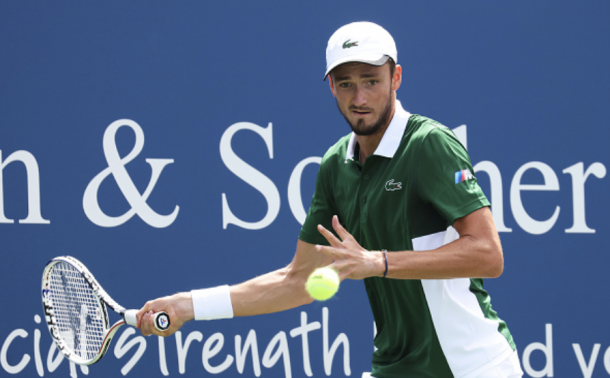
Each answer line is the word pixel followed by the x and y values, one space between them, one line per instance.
pixel 359 96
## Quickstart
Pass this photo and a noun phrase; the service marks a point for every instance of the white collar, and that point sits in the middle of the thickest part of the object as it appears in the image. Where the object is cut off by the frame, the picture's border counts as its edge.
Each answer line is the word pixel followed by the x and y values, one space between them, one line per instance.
pixel 391 138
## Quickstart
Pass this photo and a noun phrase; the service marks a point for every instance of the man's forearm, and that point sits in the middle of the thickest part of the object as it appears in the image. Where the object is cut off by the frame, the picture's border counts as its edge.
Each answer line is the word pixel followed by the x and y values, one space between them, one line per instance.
pixel 272 292
pixel 461 258
pixel 477 253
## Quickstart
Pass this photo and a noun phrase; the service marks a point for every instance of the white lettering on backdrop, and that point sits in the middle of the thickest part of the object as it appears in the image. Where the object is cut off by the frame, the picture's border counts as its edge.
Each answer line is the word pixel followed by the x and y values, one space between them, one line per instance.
pixel 33 177
pixel 578 173
pixel 116 167
pixel 263 184
pixel 214 351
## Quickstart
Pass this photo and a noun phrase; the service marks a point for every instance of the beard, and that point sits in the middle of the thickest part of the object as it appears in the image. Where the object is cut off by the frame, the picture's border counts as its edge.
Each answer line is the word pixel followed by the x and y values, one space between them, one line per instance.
pixel 361 129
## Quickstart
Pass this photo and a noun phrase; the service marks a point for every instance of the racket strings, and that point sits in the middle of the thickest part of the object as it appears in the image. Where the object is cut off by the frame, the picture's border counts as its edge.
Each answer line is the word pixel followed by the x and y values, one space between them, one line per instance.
pixel 78 313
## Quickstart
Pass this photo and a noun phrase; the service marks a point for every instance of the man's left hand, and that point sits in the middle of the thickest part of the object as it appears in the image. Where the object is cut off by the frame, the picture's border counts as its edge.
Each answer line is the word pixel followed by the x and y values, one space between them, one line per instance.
pixel 350 259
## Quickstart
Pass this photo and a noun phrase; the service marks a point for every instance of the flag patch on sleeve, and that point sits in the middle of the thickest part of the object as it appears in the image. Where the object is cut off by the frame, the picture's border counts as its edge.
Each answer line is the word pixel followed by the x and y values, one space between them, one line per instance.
pixel 463 175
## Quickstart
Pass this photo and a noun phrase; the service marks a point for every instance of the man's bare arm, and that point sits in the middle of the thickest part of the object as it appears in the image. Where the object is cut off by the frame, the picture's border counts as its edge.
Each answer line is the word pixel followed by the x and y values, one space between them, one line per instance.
pixel 477 253
pixel 272 292
pixel 279 290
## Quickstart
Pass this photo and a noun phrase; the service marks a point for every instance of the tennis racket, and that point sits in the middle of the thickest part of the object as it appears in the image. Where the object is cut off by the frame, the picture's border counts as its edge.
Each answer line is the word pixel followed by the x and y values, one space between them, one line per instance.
pixel 75 310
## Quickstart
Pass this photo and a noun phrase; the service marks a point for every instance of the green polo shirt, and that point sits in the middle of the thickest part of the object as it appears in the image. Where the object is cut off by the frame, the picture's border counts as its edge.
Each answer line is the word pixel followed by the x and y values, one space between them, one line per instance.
pixel 404 197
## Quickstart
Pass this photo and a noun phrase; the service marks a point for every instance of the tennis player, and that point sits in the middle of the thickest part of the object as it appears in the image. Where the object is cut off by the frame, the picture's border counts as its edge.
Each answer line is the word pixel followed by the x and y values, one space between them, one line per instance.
pixel 386 197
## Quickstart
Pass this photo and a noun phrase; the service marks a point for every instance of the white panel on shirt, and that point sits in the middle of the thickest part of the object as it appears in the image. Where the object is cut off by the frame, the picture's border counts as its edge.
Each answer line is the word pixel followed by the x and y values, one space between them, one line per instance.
pixel 471 343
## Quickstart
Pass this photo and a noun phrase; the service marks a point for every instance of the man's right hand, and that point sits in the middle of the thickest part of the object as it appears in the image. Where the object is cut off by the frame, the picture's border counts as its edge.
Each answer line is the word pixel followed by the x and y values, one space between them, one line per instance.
pixel 179 307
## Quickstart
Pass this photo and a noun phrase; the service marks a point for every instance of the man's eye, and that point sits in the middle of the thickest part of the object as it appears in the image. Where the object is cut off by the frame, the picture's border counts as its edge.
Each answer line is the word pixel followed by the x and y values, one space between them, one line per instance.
pixel 345 85
pixel 373 82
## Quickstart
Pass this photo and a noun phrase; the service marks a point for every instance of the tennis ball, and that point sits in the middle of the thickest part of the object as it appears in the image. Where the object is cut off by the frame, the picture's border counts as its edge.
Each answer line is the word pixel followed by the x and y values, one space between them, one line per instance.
pixel 322 284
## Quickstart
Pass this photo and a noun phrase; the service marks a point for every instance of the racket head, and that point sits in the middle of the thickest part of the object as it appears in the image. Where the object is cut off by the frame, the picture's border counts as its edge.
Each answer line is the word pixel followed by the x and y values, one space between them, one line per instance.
pixel 76 316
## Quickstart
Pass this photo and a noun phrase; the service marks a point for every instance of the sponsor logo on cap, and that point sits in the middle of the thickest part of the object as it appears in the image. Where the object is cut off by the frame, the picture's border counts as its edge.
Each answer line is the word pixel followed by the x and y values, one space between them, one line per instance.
pixel 347 44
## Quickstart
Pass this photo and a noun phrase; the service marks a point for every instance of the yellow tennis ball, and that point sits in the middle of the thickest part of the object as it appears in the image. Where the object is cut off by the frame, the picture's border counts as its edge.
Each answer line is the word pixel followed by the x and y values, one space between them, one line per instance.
pixel 322 284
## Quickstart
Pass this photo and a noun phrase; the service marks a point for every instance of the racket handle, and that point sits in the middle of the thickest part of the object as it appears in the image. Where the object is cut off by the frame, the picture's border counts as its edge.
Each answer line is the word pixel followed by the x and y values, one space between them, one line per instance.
pixel 160 319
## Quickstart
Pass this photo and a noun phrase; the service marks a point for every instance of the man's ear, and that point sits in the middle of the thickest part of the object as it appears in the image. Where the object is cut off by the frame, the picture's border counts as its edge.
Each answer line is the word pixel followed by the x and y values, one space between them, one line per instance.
pixel 397 77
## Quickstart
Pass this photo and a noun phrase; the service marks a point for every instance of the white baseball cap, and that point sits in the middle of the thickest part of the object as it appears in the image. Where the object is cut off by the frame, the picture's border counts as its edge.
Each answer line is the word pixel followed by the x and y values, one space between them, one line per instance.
pixel 363 42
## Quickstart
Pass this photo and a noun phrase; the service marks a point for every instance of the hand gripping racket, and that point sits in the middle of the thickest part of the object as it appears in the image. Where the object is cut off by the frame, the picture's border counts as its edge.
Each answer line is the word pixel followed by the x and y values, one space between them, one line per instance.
pixel 75 310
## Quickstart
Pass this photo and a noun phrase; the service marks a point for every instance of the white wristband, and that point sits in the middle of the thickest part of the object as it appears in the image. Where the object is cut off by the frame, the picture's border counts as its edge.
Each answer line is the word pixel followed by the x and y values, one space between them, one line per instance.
pixel 212 303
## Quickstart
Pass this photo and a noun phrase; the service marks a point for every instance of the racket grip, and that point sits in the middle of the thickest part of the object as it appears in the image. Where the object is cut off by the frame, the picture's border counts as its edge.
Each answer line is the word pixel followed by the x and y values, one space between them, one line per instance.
pixel 160 319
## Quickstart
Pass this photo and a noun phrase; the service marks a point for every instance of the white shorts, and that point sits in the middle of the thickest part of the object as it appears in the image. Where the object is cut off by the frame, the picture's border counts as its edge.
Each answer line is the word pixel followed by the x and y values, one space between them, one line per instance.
pixel 509 368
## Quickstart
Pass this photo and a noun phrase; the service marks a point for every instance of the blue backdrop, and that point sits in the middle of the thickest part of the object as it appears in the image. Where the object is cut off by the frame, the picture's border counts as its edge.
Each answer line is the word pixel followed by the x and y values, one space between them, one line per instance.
pixel 174 145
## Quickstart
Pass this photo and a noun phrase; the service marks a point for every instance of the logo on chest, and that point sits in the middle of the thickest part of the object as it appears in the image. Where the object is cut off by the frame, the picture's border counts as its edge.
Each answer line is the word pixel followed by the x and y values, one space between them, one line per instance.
pixel 391 186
